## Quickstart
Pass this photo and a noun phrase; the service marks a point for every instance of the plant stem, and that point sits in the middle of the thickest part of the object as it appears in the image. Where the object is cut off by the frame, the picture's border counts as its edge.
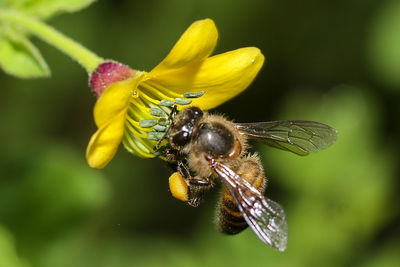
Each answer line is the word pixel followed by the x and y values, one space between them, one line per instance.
pixel 83 56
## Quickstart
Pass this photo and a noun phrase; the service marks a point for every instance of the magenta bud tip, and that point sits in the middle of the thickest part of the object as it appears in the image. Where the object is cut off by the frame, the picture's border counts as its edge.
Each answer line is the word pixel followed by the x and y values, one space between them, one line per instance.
pixel 108 73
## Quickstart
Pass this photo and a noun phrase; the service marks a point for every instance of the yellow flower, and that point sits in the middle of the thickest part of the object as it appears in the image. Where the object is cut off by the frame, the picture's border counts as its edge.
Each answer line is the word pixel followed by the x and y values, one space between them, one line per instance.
pixel 126 109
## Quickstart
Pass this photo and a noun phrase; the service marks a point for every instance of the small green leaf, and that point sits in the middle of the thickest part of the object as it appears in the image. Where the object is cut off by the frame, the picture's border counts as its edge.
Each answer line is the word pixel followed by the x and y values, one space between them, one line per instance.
pixel 19 57
pixel 8 252
pixel 48 8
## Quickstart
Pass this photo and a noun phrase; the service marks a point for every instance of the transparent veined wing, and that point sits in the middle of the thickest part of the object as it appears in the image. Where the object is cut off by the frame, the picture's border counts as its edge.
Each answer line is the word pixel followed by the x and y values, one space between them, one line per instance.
pixel 299 137
pixel 265 217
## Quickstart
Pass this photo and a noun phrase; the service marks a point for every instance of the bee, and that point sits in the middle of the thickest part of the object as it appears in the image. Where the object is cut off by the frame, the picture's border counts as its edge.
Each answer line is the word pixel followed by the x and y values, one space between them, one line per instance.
pixel 204 147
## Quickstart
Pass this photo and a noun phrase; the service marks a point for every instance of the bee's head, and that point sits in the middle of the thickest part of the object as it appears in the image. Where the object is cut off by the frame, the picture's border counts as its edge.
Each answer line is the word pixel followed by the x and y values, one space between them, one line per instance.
pixel 183 125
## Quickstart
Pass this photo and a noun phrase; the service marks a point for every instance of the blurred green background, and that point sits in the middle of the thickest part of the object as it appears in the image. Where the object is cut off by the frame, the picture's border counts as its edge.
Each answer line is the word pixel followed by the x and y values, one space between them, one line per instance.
pixel 337 62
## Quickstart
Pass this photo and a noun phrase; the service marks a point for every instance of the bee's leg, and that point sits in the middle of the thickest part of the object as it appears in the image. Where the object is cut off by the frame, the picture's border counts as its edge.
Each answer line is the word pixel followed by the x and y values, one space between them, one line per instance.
pixel 182 168
pixel 190 180
pixel 172 156
pixel 200 182
pixel 189 190
pixel 179 182
pixel 196 185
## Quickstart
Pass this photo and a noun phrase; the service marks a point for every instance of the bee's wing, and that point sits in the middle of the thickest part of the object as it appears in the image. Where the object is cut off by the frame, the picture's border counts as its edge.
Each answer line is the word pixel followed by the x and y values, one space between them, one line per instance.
pixel 299 137
pixel 265 217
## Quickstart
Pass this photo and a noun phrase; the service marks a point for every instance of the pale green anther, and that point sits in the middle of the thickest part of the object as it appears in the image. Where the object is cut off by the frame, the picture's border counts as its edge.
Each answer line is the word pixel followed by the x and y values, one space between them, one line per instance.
pixel 166 103
pixel 152 138
pixel 155 136
pixel 157 112
pixel 193 95
pixel 157 153
pixel 163 122
pixel 167 110
pixel 147 123
pixel 160 128
pixel 182 101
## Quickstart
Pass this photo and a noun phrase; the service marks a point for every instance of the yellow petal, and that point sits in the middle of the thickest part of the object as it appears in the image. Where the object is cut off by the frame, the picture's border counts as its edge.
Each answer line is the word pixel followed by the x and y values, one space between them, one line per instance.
pixel 196 44
pixel 221 77
pixel 115 99
pixel 104 143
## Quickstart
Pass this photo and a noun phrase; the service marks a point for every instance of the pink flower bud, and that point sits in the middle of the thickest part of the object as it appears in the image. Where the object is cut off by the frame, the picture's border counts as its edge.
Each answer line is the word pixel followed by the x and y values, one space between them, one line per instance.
pixel 108 73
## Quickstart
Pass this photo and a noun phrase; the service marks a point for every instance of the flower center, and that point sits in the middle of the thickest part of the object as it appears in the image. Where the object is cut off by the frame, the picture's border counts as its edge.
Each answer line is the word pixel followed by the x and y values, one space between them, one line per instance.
pixel 148 116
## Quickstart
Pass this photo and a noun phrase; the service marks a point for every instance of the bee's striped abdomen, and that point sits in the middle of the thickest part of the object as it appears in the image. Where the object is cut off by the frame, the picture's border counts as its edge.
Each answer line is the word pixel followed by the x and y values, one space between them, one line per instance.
pixel 229 218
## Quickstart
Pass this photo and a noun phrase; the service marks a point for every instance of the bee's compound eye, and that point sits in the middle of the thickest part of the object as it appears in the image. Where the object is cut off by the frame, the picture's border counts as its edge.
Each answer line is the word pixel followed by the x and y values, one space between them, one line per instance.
pixel 178 187
pixel 181 138
pixel 197 113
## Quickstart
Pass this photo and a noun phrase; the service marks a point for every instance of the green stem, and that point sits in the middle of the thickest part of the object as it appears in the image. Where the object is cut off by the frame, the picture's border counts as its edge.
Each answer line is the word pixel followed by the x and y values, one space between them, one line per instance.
pixel 85 57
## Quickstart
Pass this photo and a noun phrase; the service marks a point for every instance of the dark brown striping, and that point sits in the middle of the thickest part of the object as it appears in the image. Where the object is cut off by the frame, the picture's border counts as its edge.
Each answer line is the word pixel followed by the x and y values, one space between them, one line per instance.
pixel 230 204
pixel 230 219
pixel 227 196
pixel 231 216
pixel 231 228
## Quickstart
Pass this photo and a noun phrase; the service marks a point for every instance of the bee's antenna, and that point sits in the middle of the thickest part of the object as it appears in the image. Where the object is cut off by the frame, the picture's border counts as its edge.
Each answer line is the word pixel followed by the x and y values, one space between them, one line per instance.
pixel 173 113
pixel 171 116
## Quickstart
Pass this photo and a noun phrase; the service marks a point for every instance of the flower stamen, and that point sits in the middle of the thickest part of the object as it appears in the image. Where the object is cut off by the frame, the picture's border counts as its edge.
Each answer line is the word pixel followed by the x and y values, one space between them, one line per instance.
pixel 131 128
pixel 138 127
pixel 134 145
pixel 148 98
pixel 161 91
